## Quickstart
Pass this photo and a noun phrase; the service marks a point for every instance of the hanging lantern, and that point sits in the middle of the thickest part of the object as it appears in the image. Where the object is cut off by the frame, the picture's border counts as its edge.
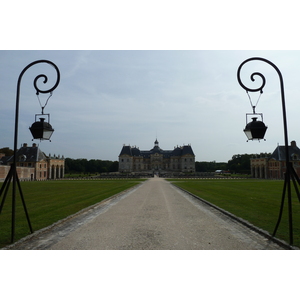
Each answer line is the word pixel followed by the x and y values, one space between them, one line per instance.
pixel 41 130
pixel 256 129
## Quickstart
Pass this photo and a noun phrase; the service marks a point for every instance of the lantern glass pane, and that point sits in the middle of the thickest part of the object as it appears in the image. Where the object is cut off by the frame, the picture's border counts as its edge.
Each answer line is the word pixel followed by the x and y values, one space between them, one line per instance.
pixel 248 134
pixel 47 134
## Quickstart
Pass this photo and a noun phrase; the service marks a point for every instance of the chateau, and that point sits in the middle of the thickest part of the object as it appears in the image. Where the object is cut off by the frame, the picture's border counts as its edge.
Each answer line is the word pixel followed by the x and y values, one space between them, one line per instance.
pixel 156 160
pixel 33 164
pixel 274 166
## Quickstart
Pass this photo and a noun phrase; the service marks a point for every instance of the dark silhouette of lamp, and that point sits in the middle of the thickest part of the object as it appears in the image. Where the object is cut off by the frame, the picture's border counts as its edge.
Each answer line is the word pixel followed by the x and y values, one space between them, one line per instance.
pixel 40 129
pixel 255 130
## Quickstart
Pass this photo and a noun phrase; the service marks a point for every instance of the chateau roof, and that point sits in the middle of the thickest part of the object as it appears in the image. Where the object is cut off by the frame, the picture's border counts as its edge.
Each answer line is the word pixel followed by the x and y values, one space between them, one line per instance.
pixel 178 151
pixel 280 153
pixel 29 154
pixel 126 150
pixel 187 150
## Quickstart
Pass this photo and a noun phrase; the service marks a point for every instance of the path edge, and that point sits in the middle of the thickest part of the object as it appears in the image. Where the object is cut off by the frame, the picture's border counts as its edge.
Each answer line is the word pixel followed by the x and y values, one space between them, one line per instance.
pixel 258 230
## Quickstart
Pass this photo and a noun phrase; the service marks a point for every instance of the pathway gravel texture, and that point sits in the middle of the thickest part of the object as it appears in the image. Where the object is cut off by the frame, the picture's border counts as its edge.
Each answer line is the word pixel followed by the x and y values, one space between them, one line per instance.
pixel 155 215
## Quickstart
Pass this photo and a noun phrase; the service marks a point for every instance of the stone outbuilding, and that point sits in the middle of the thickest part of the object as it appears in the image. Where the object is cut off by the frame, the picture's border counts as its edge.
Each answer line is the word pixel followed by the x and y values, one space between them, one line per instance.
pixel 33 164
pixel 274 166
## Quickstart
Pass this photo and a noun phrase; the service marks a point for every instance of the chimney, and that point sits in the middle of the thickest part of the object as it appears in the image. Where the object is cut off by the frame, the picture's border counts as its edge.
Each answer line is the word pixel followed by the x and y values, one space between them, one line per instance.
pixel 293 144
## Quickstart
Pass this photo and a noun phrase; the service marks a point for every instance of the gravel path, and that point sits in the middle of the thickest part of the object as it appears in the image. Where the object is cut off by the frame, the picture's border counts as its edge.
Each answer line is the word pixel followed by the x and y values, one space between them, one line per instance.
pixel 153 215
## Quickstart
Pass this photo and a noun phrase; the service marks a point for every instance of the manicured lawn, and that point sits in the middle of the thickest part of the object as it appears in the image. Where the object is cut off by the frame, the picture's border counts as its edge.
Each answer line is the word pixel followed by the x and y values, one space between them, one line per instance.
pixel 50 201
pixel 257 201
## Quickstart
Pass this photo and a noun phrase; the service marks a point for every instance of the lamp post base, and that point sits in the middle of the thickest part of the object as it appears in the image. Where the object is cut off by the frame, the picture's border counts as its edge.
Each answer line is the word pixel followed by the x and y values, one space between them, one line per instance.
pixel 13 175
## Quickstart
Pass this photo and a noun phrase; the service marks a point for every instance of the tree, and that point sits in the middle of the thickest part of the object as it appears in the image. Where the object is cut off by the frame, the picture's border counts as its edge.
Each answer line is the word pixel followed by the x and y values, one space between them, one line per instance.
pixel 83 165
pixel 7 151
pixel 114 167
pixel 240 163
pixel 212 166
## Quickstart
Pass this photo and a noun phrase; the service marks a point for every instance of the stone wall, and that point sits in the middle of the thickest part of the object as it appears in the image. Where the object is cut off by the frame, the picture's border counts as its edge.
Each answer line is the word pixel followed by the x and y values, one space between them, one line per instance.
pixel 23 173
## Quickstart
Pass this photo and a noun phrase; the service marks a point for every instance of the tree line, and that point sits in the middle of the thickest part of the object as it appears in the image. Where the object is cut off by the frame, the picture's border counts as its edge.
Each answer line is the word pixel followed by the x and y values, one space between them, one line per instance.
pixel 6 151
pixel 239 163
pixel 93 166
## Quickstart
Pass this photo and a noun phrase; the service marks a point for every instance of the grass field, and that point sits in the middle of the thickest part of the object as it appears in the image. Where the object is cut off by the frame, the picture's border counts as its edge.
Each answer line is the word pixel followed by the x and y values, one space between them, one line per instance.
pixel 50 201
pixel 257 201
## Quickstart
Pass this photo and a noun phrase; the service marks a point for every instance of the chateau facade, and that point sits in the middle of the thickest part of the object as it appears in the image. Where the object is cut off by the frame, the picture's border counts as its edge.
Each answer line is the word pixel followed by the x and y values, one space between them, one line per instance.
pixel 274 167
pixel 33 164
pixel 156 160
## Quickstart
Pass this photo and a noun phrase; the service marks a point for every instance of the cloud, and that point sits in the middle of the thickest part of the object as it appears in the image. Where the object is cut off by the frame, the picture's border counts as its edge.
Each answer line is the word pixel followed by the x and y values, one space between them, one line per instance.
pixel 108 98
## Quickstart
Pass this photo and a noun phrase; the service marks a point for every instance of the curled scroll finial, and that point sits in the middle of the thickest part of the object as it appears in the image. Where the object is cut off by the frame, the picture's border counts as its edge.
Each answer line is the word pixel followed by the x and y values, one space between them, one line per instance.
pixel 43 76
pixel 253 75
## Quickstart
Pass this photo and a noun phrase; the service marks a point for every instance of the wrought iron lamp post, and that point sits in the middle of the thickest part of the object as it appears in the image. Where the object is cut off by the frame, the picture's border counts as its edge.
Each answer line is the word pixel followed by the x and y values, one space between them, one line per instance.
pixel 257 131
pixel 40 130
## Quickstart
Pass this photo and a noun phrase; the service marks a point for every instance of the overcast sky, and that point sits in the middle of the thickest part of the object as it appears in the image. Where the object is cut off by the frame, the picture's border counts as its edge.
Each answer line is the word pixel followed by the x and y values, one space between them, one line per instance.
pixel 109 98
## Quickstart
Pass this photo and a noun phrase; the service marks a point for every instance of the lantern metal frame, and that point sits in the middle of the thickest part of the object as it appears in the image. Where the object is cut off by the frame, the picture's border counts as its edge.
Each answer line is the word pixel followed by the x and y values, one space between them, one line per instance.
pixel 12 174
pixel 38 133
pixel 254 130
pixel 290 173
